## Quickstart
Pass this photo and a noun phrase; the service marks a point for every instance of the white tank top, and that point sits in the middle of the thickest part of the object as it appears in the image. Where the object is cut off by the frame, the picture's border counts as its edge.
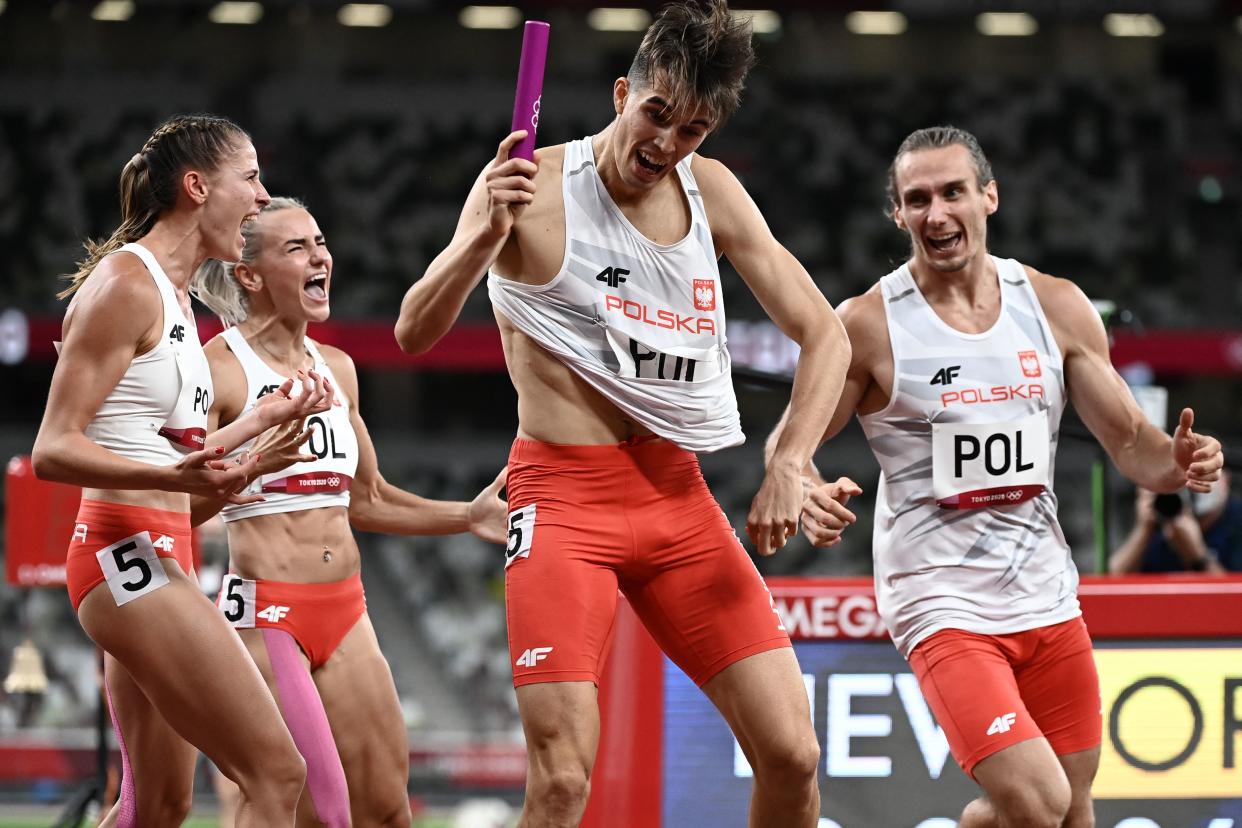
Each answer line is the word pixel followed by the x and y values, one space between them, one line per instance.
pixel 642 322
pixel 158 410
pixel 315 485
pixel 966 533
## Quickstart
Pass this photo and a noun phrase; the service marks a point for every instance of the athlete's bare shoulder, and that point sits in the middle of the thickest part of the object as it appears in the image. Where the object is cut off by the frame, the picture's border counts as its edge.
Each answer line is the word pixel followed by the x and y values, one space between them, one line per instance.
pixel 1072 317
pixel 343 368
pixel 120 295
pixel 717 183
pixel 867 326
pixel 227 377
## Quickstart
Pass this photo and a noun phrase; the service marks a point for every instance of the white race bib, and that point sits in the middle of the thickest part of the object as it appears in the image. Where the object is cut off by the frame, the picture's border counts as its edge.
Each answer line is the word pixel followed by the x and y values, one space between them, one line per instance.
pixel 131 568
pixel 521 534
pixel 236 601
pixel 638 360
pixel 990 464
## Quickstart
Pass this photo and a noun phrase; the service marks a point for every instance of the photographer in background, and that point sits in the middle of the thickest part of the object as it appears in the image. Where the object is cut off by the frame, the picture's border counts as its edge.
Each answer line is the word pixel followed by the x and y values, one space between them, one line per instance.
pixel 1183 532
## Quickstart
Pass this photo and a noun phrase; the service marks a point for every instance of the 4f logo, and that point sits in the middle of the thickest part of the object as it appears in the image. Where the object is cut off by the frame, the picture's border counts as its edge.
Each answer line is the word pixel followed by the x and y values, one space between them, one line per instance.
pixel 1002 724
pixel 612 276
pixel 533 656
pixel 265 390
pixel 945 376
pixel 165 543
pixel 79 532
pixel 177 333
pixel 1029 360
pixel 704 294
pixel 273 613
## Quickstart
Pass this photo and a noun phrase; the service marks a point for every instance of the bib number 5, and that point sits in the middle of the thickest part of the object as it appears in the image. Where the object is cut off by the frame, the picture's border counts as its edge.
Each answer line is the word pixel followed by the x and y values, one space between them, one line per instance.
pixel 131 568
pixel 237 601
pixel 521 534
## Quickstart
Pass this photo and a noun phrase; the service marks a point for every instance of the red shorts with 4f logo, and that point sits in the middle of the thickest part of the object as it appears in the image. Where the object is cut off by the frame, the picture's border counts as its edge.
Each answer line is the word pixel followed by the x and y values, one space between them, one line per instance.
pixel 586 521
pixel 989 692
pixel 318 616
pixel 134 537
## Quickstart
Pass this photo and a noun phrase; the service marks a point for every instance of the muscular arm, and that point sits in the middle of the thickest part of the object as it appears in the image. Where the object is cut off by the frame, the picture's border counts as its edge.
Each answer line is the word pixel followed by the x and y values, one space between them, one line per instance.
pixel 229 383
pixel 112 320
pixel 791 300
pixel 795 304
pixel 863 319
pixel 375 505
pixel 1142 452
pixel 433 303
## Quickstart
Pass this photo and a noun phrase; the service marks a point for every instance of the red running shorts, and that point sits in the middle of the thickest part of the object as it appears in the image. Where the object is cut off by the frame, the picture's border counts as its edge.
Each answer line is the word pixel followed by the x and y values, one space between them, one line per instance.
pixel 135 536
pixel 637 516
pixel 318 616
pixel 989 692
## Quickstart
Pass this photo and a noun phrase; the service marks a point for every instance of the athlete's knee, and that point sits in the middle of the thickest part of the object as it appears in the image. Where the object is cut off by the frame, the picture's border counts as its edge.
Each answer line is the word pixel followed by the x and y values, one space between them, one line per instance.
pixel 561 790
pixel 1080 816
pixel 1044 804
pixel 790 762
pixel 166 807
pixel 279 780
pixel 384 811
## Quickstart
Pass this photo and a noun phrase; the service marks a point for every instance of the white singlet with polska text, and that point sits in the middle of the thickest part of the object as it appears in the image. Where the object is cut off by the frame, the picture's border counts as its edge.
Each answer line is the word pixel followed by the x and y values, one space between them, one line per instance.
pixel 966 533
pixel 642 322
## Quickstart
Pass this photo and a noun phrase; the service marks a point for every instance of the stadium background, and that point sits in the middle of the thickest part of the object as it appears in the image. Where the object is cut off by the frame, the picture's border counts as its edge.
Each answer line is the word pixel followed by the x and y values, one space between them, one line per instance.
pixel 1115 141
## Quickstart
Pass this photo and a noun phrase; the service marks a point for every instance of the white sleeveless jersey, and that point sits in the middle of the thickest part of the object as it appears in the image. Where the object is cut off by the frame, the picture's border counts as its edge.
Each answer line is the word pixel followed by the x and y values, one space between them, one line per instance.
pixel 315 485
pixel 158 410
pixel 966 533
pixel 642 322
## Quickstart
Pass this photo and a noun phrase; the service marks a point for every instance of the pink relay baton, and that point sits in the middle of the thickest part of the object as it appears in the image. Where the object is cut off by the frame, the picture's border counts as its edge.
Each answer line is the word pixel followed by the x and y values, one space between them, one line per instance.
pixel 529 86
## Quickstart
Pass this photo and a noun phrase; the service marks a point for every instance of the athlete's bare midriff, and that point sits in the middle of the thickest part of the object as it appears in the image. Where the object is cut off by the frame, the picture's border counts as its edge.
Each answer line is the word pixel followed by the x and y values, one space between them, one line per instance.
pixel 146 498
pixel 312 546
pixel 555 405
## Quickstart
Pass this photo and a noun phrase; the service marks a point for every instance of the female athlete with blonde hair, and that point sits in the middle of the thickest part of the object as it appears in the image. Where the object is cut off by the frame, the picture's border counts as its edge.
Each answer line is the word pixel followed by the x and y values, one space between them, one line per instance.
pixel 126 419
pixel 295 592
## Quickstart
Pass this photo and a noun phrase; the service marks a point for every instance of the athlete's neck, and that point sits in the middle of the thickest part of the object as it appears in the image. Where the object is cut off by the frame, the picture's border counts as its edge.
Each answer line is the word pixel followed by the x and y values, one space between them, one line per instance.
pixel 976 285
pixel 176 243
pixel 281 342
pixel 607 164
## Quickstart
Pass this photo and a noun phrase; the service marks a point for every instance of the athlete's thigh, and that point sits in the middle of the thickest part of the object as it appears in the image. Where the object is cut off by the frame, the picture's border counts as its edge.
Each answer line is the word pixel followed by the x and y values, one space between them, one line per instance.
pixel 969 684
pixel 1080 768
pixel 1020 771
pixel 361 700
pixel 561 722
pixel 1060 686
pixel 162 762
pixel 191 665
pixel 764 700
pixel 705 603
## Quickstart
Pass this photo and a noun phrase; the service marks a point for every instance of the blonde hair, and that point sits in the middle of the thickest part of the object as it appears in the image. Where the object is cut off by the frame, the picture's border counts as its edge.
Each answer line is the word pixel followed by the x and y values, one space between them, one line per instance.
pixel 214 283
pixel 149 180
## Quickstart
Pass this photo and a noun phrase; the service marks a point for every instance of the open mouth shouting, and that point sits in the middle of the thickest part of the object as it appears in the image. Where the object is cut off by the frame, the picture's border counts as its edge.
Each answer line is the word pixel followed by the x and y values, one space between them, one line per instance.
pixel 316 286
pixel 648 164
pixel 946 243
